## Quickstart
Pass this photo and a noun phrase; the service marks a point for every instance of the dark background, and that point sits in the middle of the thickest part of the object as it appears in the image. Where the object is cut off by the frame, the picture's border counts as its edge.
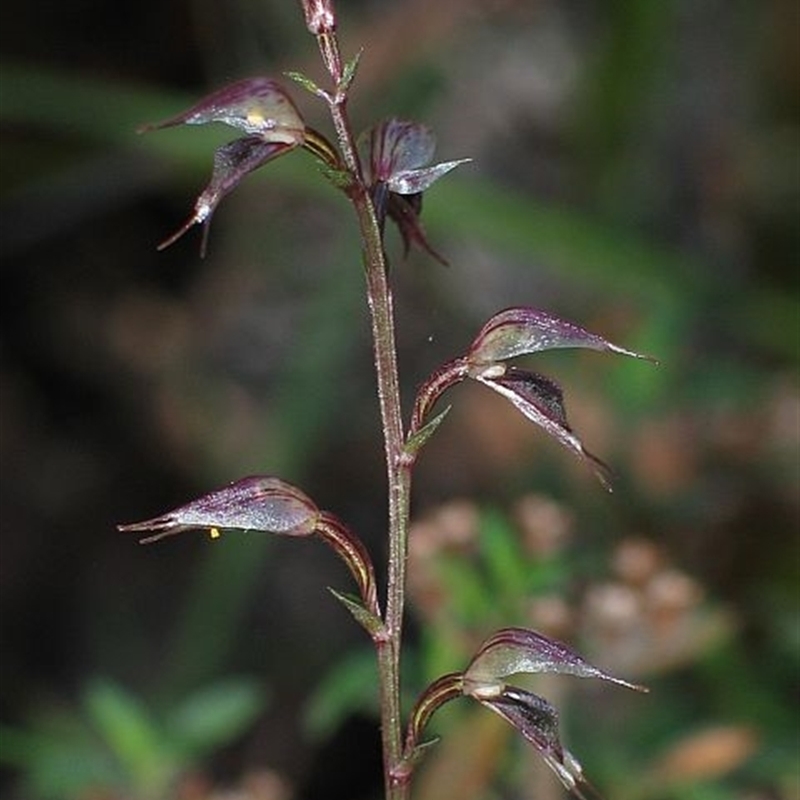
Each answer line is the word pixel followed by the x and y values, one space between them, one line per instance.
pixel 635 169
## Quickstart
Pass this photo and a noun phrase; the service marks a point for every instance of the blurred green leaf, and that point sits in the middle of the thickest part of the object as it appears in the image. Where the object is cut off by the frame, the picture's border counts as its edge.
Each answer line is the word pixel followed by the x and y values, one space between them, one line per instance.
pixel 703 791
pixel 215 715
pixel 350 686
pixel 130 732
pixel 468 596
pixel 56 763
pixel 114 744
pixel 557 238
pixel 504 560
pixel 80 105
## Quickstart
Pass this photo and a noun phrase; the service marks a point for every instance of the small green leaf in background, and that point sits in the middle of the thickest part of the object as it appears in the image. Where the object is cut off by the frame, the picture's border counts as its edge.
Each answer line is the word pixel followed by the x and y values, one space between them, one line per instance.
pixel 114 745
pixel 131 733
pixel 215 715
pixel 57 764
pixel 349 687
pixel 505 562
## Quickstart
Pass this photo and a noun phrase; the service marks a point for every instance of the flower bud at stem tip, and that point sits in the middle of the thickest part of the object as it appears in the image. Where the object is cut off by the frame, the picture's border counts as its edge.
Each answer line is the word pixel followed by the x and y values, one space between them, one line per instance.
pixel 320 16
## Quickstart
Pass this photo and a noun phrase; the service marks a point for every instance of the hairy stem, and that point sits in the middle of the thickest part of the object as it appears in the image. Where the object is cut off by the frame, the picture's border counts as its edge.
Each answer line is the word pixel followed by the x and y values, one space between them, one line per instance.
pixel 379 299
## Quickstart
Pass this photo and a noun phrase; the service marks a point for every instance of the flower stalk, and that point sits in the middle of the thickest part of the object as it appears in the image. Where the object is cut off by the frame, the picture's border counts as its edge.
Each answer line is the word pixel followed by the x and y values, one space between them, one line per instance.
pixel 384 175
pixel 379 298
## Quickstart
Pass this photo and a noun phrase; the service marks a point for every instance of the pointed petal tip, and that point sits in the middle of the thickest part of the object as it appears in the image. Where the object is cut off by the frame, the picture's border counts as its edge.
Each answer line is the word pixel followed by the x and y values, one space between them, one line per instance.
pixel 602 471
pixel 414 181
pixel 172 238
pixel 633 354
pixel 583 790
pixel 162 527
pixel 437 256
pixel 523 330
pixel 157 523
pixel 171 122
pixel 204 239
pixel 635 687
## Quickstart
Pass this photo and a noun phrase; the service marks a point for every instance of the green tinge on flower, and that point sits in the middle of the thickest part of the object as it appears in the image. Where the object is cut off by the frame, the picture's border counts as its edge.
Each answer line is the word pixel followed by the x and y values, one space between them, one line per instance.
pixel 258 106
pixel 511 651
pixel 523 330
pixel 444 689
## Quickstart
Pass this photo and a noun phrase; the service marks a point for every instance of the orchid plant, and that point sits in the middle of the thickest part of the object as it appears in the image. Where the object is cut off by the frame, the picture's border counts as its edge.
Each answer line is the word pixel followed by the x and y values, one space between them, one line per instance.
pixel 384 173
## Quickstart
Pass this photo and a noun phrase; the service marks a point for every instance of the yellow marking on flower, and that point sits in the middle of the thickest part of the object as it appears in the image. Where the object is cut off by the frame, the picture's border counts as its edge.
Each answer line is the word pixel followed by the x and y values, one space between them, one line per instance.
pixel 255 118
pixel 214 533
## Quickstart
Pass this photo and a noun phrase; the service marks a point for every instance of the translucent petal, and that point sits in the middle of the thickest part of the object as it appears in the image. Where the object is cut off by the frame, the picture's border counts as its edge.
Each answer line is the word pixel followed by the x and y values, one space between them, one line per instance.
pixel 537 721
pixel 257 106
pixel 542 402
pixel 511 651
pixel 522 330
pixel 413 181
pixel 258 503
pixel 395 145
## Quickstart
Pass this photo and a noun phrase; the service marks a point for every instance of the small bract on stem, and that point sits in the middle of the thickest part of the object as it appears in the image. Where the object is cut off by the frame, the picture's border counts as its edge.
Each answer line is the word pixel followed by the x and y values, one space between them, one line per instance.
pixel 384 173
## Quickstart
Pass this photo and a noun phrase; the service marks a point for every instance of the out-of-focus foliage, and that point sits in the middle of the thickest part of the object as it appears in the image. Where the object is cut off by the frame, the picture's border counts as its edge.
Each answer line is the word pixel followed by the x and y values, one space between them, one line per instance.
pixel 114 746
